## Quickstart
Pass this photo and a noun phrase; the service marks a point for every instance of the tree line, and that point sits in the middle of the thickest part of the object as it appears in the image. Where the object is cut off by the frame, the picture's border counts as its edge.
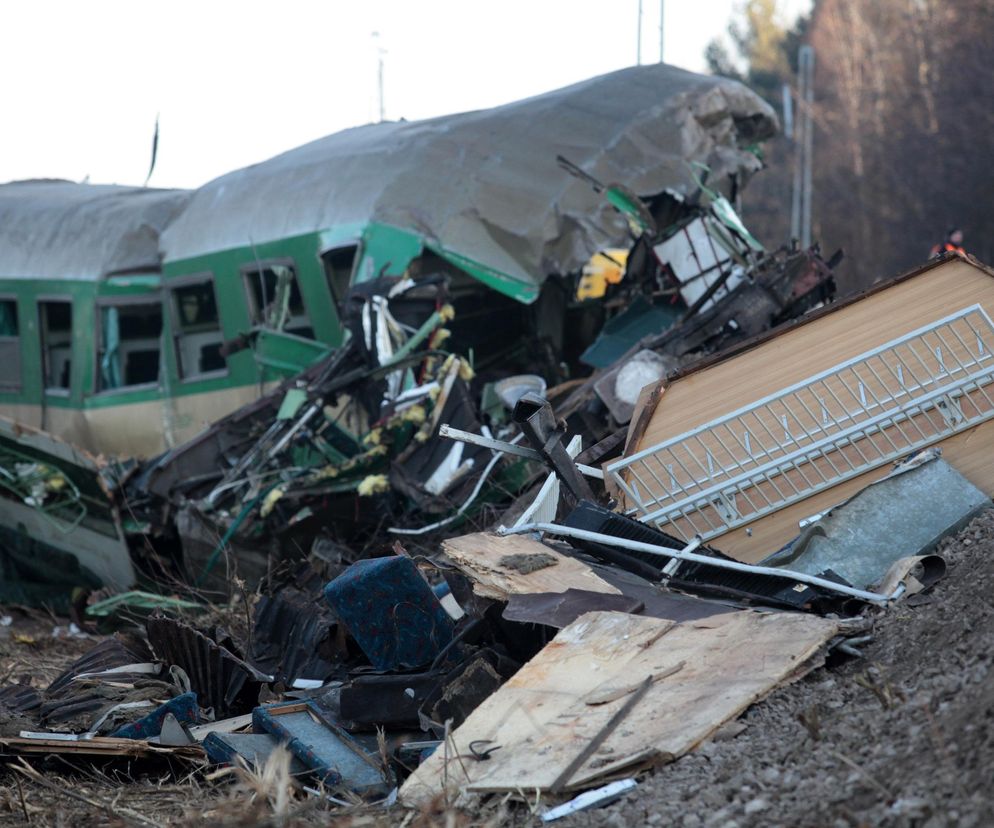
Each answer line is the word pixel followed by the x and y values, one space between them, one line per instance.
pixel 904 126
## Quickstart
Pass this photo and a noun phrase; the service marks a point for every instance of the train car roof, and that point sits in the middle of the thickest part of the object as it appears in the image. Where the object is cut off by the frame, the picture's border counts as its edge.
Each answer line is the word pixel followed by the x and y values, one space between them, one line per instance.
pixel 52 229
pixel 486 184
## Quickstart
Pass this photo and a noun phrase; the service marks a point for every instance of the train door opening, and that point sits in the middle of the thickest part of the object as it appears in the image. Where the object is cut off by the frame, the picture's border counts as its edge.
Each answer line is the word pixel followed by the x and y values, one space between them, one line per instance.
pixel 339 263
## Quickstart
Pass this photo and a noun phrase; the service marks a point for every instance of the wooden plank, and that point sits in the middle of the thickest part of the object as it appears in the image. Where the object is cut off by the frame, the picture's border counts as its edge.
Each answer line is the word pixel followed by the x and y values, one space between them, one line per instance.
pixel 235 723
pixel 97 746
pixel 645 408
pixel 479 556
pixel 704 673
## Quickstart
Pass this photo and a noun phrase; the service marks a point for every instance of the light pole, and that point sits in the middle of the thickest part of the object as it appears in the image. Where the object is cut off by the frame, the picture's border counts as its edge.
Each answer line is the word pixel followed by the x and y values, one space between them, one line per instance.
pixel 803 135
pixel 638 38
pixel 662 20
pixel 380 52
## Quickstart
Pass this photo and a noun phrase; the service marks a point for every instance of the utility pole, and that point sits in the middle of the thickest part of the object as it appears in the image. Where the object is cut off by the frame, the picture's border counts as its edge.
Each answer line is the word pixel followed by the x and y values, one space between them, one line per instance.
pixel 800 208
pixel 787 101
pixel 808 53
pixel 662 20
pixel 638 40
pixel 380 52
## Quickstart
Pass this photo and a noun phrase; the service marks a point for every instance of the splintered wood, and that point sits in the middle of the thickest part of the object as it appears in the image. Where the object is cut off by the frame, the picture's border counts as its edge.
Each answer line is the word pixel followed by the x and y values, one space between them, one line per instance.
pixel 494 565
pixel 700 675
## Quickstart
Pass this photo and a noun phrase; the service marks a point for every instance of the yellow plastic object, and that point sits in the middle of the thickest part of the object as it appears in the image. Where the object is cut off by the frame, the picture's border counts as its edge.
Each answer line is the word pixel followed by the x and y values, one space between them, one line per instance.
pixel 373 484
pixel 604 268
pixel 269 501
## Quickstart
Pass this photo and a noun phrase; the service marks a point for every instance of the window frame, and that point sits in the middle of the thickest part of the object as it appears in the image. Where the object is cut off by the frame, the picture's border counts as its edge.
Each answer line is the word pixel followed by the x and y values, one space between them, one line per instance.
pixel 47 299
pixel 176 331
pixel 14 389
pixel 98 328
pixel 246 271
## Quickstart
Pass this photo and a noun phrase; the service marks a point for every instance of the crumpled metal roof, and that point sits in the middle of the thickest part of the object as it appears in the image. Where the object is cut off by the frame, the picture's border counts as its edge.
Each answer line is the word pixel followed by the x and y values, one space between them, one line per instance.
pixel 53 229
pixel 486 184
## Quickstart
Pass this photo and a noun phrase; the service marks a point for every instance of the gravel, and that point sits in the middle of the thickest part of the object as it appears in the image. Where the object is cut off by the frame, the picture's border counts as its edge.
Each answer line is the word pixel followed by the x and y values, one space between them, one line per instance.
pixel 903 736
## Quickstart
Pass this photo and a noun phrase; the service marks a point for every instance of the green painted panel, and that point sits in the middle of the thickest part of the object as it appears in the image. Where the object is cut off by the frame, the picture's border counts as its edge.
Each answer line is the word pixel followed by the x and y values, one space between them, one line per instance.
pixel 227 268
pixel 496 279
pixel 29 293
pixel 386 251
pixel 341 235
pixel 282 355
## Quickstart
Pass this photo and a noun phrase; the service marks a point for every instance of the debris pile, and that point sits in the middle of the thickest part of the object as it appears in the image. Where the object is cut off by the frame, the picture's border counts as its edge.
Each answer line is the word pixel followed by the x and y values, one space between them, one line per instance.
pixel 348 456
pixel 446 580
pixel 504 661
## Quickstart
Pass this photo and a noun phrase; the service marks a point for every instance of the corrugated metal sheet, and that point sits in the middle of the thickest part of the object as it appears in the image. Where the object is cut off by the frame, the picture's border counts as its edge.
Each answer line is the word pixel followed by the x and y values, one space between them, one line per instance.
pixel 220 678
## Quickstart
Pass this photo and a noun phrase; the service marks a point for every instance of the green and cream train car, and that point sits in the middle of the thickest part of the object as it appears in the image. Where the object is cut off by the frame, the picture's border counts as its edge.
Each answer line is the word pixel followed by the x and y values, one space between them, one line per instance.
pixel 122 309
pixel 81 311
pixel 478 196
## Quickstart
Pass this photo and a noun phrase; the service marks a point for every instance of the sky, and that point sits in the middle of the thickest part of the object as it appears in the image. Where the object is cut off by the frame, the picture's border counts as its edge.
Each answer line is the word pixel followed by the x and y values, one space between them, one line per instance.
pixel 234 83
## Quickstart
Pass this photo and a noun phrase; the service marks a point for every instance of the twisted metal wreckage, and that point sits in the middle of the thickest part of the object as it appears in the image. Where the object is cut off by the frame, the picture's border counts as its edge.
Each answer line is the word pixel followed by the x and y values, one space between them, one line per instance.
pixel 394 508
pixel 348 454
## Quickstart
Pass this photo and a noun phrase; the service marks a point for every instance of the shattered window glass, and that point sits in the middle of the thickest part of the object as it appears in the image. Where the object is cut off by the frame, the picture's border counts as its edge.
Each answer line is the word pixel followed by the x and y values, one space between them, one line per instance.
pixel 56 344
pixel 275 301
pixel 10 346
pixel 198 334
pixel 129 345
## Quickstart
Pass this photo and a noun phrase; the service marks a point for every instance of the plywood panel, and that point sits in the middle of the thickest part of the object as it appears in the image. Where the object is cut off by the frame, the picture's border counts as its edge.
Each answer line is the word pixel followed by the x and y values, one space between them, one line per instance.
pixel 970 453
pixel 736 448
pixel 808 349
pixel 704 673
pixel 480 557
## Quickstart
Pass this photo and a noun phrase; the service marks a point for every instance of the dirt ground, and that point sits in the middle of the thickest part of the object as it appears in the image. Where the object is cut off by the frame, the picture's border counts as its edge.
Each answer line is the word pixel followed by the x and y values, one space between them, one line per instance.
pixel 903 736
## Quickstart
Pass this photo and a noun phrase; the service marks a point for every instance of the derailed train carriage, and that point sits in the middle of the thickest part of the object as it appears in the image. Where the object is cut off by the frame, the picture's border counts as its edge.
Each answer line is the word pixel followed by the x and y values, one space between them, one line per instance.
pixel 247 280
pixel 476 196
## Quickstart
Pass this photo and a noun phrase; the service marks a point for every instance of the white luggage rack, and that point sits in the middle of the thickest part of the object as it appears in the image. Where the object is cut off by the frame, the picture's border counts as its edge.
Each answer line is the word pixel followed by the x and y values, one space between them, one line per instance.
pixel 857 416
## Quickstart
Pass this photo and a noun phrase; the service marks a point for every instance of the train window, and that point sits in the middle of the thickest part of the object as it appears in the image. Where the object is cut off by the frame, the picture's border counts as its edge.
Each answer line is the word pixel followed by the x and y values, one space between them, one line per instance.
pixel 338 264
pixel 198 337
pixel 56 344
pixel 129 345
pixel 10 346
pixel 275 301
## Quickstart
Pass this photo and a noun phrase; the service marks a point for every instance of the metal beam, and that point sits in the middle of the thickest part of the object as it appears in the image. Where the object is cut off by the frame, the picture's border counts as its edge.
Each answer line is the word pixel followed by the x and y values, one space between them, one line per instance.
pixel 503 446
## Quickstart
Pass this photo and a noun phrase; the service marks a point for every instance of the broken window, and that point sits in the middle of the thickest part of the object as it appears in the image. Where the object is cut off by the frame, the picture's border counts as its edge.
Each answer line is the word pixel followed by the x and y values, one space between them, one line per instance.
pixel 197 335
pixel 338 264
pixel 56 344
pixel 10 346
pixel 129 345
pixel 275 301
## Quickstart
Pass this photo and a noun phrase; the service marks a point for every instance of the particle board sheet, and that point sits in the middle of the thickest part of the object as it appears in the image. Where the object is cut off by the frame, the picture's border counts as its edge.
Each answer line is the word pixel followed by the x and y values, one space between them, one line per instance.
pixel 703 673
pixel 968 452
pixel 96 746
pixel 803 350
pixel 480 557
pixel 808 349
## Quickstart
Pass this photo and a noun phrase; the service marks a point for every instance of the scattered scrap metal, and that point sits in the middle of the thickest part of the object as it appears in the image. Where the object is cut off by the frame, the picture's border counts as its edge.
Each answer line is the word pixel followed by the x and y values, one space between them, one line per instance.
pixel 446 595
pixel 500 662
